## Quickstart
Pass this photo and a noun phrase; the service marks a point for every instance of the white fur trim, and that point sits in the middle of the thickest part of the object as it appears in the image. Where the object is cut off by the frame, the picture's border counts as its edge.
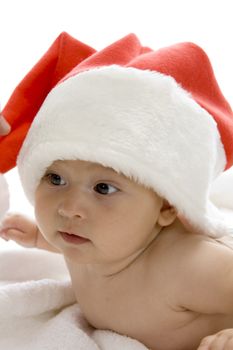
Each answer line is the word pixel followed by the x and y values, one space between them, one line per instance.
pixel 140 123
pixel 4 197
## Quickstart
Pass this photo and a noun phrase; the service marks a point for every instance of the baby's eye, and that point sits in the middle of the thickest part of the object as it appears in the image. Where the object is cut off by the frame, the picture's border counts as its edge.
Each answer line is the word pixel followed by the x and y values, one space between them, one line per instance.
pixel 104 188
pixel 55 179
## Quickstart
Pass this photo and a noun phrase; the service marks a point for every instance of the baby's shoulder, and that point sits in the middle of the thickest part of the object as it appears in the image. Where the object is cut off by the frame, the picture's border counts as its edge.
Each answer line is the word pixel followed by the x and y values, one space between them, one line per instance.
pixel 192 240
pixel 186 265
pixel 175 240
pixel 177 250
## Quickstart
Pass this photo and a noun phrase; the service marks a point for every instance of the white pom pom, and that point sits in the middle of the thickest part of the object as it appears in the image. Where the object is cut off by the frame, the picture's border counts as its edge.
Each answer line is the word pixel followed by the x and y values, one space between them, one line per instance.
pixel 4 197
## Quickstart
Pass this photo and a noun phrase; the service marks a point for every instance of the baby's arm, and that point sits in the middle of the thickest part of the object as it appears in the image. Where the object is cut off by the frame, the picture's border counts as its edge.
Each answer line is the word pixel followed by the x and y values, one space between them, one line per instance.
pixel 205 272
pixel 220 341
pixel 23 231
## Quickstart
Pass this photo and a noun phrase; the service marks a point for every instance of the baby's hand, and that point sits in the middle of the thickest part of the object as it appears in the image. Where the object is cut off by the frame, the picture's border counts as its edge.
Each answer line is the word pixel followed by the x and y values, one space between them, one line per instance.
pixel 20 229
pixel 24 232
pixel 4 126
pixel 222 340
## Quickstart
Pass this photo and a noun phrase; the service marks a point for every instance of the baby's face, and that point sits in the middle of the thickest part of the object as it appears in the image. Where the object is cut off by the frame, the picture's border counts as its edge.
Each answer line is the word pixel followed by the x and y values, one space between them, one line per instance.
pixel 93 214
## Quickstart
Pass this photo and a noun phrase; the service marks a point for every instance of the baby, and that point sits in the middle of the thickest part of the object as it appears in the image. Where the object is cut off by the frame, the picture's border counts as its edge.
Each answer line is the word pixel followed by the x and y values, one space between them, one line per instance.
pixel 134 267
pixel 121 189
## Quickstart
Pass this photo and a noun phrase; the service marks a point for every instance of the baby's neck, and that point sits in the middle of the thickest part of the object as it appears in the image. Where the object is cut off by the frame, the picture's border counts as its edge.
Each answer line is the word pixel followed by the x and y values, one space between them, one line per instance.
pixel 105 272
pixel 114 269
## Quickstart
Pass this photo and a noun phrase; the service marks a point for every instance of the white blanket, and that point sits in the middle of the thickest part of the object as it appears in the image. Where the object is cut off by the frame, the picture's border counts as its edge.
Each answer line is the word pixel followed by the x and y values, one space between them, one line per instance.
pixel 38 309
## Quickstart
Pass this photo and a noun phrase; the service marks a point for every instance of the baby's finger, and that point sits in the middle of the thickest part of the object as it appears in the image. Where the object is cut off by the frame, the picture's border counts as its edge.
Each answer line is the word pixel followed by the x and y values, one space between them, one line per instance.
pixel 206 343
pixel 11 233
pixel 17 236
pixel 219 342
pixel 3 236
pixel 18 222
pixel 6 223
pixel 229 344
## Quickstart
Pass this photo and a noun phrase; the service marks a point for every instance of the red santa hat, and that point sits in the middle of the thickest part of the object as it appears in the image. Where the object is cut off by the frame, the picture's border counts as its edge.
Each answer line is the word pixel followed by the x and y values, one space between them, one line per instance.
pixel 158 117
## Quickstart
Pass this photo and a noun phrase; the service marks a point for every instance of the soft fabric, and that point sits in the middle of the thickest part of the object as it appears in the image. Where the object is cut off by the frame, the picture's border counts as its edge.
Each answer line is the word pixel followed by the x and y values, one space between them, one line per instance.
pixel 39 311
pixel 158 117
pixel 4 197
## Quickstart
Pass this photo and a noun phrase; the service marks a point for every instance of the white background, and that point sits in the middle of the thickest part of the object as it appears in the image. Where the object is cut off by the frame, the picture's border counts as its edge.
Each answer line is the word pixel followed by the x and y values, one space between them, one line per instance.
pixel 28 27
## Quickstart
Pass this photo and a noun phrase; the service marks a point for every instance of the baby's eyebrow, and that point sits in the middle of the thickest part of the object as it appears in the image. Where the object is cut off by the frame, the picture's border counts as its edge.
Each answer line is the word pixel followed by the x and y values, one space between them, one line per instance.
pixel 107 170
pixel 100 168
pixel 52 168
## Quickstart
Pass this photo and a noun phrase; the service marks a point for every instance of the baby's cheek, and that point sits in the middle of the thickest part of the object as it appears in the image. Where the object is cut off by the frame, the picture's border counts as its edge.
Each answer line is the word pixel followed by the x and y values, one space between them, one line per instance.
pixel 38 211
pixel 42 216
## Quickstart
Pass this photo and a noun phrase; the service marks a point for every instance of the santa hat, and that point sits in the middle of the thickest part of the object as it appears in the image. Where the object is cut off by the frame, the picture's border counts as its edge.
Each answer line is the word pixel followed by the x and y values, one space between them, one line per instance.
pixel 158 117
pixel 4 197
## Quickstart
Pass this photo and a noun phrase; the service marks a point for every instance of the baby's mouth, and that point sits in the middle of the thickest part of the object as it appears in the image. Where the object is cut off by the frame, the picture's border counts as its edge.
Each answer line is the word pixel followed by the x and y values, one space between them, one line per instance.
pixel 73 238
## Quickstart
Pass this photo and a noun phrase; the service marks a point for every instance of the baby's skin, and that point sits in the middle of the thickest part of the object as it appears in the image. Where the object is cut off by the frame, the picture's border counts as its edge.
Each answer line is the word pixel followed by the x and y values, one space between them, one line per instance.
pixel 4 126
pixel 222 340
pixel 134 267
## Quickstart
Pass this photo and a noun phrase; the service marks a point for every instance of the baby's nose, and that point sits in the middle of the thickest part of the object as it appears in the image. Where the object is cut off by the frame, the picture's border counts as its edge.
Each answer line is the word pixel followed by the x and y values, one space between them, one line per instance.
pixel 74 206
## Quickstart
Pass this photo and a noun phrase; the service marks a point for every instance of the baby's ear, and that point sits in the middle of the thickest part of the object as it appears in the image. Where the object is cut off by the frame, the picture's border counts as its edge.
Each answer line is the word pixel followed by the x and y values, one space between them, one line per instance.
pixel 167 214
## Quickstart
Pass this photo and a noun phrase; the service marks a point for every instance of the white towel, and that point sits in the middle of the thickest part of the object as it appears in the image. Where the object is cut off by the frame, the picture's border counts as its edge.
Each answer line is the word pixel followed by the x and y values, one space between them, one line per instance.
pixel 38 309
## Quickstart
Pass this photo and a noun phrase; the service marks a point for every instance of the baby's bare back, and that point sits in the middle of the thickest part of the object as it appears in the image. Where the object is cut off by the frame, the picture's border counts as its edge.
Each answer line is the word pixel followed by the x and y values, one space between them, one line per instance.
pixel 145 300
